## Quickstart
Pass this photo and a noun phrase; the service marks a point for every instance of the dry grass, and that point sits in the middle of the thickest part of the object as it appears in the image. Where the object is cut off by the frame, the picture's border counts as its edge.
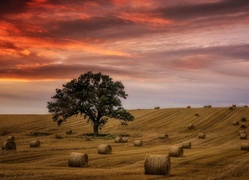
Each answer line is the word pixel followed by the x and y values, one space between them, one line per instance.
pixel 216 157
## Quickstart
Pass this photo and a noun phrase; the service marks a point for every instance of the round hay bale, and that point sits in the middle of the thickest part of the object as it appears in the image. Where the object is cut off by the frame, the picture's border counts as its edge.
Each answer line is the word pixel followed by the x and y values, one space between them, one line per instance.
pixel 124 123
pixel 35 143
pixel 138 143
pixel 202 135
pixel 157 107
pixel 118 139
pixel 244 146
pixel 104 149
pixel 58 136
pixel 175 151
pixel 243 119
pixel 157 164
pixel 191 126
pixel 69 131
pixel 186 145
pixel 231 108
pixel 3 133
pixel 9 145
pixel 243 136
pixel 78 160
pixel 11 138
pixel 243 126
pixel 235 122
pixel 197 114
pixel 188 106
pixel 163 136
pixel 88 138
pixel 124 139
pixel 242 132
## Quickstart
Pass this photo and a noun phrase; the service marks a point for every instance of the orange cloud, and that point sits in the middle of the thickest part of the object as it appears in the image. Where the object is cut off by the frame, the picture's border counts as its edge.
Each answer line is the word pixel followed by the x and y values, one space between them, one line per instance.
pixel 47 47
pixel 72 44
pixel 8 29
pixel 8 52
pixel 134 3
pixel 25 52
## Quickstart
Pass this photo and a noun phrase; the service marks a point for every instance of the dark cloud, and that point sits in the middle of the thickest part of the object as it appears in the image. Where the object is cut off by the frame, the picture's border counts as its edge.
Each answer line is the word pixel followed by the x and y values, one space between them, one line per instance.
pixel 106 24
pixel 91 27
pixel 238 52
pixel 41 72
pixel 95 28
pixel 63 71
pixel 7 45
pixel 196 11
pixel 68 2
pixel 10 63
pixel 13 6
pixel 7 63
pixel 187 60
pixel 20 6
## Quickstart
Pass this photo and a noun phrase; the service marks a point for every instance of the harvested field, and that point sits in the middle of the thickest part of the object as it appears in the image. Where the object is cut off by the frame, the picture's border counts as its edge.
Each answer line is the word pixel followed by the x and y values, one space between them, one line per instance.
pixel 218 156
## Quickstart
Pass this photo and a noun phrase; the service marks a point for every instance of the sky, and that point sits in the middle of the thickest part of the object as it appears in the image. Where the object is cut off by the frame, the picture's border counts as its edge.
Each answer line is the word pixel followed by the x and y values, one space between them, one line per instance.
pixel 166 53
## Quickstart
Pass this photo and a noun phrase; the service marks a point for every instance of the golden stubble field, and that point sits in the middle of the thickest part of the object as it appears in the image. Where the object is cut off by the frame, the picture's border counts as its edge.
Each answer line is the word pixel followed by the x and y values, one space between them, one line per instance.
pixel 218 156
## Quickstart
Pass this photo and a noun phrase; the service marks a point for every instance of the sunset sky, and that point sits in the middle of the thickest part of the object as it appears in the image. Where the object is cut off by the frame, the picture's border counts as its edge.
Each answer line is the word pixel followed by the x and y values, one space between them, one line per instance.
pixel 167 53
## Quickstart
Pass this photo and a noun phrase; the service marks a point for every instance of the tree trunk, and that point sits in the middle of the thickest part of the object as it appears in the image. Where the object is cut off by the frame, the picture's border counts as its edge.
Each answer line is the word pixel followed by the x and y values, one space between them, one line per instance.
pixel 96 128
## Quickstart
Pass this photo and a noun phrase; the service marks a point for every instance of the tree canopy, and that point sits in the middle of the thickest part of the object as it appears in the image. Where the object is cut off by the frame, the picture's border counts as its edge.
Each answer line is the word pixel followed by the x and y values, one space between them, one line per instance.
pixel 96 97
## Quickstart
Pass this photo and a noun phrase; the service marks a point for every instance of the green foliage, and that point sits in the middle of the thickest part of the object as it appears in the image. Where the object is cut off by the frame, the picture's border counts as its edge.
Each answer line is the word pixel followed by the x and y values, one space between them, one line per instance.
pixel 94 96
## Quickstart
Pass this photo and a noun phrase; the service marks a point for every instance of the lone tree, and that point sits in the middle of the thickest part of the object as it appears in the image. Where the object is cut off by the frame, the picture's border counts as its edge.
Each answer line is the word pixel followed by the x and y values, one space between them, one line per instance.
pixel 96 97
